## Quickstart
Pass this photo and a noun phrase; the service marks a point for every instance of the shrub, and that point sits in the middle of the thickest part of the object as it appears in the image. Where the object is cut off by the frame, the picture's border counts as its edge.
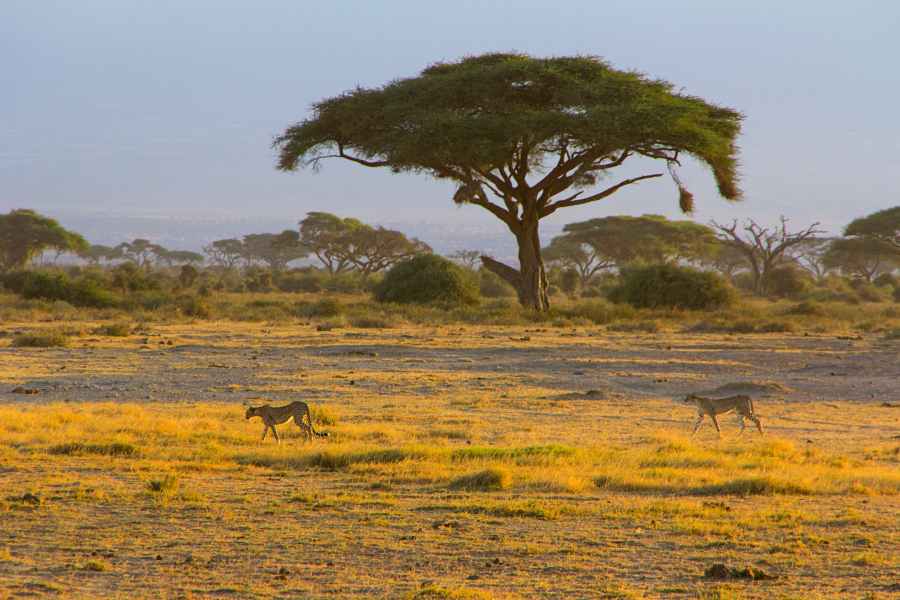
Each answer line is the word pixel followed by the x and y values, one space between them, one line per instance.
pixel 491 286
pixel 672 286
pixel 425 279
pixel 300 281
pixel 789 282
pixel 569 281
pixel 187 276
pixel 897 294
pixel 41 340
pixel 113 330
pixel 869 293
pixel 258 280
pixel 483 481
pixel 808 308
pixel 887 280
pixel 326 307
pixel 193 306
pixel 84 291
pixel 14 281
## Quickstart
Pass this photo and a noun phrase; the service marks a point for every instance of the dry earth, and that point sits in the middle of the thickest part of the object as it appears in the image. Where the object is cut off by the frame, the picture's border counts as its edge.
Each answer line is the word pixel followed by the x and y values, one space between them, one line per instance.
pixel 83 525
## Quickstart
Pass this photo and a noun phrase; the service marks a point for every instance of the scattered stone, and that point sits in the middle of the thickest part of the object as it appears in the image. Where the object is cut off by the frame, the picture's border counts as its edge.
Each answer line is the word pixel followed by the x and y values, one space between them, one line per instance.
pixel 720 571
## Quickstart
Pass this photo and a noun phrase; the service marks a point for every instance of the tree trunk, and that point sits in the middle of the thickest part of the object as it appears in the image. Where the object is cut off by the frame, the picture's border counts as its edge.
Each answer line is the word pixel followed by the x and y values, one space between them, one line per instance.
pixel 530 281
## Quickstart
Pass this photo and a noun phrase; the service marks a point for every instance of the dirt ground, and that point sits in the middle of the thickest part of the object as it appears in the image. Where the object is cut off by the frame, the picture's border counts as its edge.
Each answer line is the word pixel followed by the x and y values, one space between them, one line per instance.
pixel 249 528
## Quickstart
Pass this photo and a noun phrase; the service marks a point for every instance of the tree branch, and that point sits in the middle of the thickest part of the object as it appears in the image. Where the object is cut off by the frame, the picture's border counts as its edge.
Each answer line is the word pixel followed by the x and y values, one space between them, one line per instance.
pixel 575 201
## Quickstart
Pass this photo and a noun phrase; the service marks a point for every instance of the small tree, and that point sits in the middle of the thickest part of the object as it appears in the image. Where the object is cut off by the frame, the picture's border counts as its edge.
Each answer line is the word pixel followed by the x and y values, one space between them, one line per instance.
pixel 328 238
pixel 810 254
pixel 726 259
pixel 375 248
pixel 863 257
pixel 467 258
pixel 225 253
pixel 577 256
pixel 883 225
pixel 97 253
pixel 273 250
pixel 142 252
pixel 521 137
pixel 764 248
pixel 180 257
pixel 622 240
pixel 25 234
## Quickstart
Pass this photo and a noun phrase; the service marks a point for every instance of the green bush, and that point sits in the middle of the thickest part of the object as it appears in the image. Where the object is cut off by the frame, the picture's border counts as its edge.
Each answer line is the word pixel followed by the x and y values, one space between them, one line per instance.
pixel 326 307
pixel 193 306
pixel 300 281
pixel 672 286
pixel 258 280
pixel 84 291
pixel 14 281
pixel 425 279
pixel 491 286
pixel 789 282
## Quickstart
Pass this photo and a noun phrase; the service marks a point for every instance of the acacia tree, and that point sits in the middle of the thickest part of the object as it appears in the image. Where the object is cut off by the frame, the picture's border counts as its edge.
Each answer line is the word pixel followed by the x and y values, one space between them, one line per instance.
pixel 467 258
pixel 883 225
pixel 622 240
pixel 865 257
pixel 764 248
pixel 726 259
pixel 375 248
pixel 810 254
pixel 97 253
pixel 275 250
pixel 575 254
pixel 24 234
pixel 521 137
pixel 180 257
pixel 142 252
pixel 328 236
pixel 225 253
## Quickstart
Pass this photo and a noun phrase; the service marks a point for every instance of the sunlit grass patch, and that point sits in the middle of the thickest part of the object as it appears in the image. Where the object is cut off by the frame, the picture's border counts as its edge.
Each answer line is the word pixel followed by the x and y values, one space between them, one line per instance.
pixel 528 455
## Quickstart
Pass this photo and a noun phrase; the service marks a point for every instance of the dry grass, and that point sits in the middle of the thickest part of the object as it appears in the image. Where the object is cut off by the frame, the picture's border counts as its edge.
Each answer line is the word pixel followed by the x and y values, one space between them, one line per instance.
pixel 458 465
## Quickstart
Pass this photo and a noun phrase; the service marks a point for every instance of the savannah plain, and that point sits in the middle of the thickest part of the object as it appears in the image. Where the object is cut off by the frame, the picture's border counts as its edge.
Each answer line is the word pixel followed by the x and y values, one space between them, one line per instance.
pixel 463 460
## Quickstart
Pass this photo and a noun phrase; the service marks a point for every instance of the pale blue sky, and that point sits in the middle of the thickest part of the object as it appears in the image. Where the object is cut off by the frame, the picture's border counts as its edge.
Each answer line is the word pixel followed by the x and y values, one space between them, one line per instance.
pixel 121 106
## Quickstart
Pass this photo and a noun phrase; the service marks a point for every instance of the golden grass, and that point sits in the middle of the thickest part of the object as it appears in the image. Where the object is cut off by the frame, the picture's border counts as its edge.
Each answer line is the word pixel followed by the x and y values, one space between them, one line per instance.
pixel 440 476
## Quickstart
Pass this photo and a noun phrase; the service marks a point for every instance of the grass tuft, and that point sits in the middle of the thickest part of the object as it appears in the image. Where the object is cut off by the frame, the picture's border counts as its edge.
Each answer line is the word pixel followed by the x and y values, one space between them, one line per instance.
pixel 118 449
pixel 488 480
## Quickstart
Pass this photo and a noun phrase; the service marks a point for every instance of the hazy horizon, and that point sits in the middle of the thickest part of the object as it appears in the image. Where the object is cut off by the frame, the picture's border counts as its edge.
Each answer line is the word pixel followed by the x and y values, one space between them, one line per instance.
pixel 170 108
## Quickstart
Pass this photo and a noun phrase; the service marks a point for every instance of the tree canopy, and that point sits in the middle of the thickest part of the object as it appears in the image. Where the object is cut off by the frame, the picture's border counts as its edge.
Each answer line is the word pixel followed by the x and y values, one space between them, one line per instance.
pixel 521 137
pixel 275 250
pixel 865 257
pixel 622 240
pixel 883 225
pixel 344 244
pixel 24 233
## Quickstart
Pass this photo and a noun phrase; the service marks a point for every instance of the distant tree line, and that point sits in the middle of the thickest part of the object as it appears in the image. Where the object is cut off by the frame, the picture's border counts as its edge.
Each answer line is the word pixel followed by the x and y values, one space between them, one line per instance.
pixel 765 260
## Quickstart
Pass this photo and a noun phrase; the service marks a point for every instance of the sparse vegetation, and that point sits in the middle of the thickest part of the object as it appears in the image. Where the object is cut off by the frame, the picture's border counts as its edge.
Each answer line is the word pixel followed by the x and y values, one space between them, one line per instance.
pixel 49 339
